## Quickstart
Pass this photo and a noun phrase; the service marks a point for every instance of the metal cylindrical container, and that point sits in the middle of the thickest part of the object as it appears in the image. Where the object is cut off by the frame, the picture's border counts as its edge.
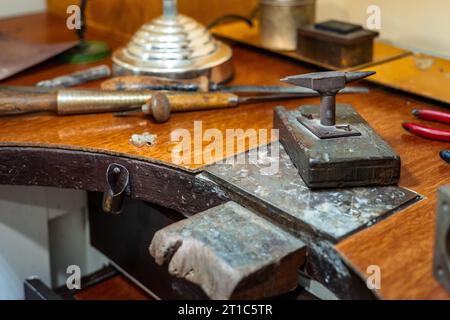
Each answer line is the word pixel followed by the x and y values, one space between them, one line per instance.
pixel 280 19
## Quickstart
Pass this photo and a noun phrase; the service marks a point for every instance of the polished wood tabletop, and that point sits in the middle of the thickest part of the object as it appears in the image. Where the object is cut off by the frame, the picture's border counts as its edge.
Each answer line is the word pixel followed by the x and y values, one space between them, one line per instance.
pixel 402 245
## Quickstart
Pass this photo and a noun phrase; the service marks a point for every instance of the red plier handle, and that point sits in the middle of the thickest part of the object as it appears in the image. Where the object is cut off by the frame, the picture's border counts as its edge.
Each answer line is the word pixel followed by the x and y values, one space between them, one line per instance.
pixel 429 132
pixel 438 116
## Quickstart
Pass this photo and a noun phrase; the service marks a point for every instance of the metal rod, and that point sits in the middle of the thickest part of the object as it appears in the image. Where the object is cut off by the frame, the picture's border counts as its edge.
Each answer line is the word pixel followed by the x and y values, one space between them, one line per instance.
pixel 328 110
pixel 76 78
pixel 170 8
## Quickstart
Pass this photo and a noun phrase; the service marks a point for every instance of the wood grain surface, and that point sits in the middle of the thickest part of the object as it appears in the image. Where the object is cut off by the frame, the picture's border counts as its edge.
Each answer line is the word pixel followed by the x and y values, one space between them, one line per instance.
pixel 402 245
pixel 109 134
pixel 115 288
pixel 420 74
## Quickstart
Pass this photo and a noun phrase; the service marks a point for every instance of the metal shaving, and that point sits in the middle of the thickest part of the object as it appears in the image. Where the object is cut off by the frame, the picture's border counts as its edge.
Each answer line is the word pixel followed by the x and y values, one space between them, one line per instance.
pixel 141 140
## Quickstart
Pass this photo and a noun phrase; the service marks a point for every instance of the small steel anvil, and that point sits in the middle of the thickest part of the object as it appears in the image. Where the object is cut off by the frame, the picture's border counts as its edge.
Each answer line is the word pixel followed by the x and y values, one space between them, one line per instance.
pixel 332 145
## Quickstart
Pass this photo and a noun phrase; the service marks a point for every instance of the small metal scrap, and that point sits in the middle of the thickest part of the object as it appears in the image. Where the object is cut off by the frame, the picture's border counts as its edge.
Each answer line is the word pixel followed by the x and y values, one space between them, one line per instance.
pixel 141 140
pixel 80 77
pixel 344 127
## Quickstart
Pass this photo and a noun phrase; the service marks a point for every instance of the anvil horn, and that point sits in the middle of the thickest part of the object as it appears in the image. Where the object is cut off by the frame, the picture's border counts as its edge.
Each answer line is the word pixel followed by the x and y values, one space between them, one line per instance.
pixel 354 76
pixel 309 80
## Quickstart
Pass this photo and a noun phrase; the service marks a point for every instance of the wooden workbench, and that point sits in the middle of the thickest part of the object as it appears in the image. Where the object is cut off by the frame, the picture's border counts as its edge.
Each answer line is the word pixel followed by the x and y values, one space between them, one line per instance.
pixel 36 148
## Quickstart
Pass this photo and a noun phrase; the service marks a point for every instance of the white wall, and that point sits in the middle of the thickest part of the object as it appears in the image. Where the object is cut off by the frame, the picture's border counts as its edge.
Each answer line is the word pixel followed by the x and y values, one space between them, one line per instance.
pixel 422 25
pixel 42 232
pixel 23 239
pixel 17 7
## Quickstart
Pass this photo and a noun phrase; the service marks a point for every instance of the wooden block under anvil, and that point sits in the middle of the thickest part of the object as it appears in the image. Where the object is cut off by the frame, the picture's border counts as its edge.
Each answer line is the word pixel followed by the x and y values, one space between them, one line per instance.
pixel 331 145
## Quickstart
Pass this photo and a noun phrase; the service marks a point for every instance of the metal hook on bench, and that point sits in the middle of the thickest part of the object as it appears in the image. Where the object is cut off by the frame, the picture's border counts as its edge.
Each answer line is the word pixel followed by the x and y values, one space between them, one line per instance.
pixel 117 187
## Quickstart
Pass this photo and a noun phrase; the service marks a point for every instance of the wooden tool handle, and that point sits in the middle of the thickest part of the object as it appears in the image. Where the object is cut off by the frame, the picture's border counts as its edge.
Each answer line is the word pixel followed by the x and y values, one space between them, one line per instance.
pixel 17 101
pixel 156 83
pixel 162 104
pixel 201 101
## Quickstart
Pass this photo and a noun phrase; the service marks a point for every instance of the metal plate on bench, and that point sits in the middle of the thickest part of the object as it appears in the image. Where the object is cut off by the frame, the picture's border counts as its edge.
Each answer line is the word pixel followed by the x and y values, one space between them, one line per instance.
pixel 283 196
pixel 17 54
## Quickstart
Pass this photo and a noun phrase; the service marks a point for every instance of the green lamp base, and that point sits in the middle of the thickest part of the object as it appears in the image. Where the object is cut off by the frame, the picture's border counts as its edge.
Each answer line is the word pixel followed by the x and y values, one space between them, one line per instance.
pixel 87 52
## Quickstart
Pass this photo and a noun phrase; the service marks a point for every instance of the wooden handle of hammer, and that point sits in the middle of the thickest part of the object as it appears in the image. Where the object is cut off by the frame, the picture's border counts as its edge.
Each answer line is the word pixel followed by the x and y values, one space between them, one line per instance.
pixel 200 84
pixel 161 105
pixel 20 101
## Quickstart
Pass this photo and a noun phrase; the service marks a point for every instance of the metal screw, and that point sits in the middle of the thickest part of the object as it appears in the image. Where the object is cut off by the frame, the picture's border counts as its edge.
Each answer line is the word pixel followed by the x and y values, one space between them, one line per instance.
pixel 345 128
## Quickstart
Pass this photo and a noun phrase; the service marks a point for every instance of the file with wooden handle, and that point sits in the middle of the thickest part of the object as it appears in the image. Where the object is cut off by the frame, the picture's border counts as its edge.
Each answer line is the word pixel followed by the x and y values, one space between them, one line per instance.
pixel 23 100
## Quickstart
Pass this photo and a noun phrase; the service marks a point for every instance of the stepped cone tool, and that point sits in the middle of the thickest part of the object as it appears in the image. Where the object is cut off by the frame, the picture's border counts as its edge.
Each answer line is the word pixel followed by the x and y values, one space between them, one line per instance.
pixel 174 46
pixel 331 144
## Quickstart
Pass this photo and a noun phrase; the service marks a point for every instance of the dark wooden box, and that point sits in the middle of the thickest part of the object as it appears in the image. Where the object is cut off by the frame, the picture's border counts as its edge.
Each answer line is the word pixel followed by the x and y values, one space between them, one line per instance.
pixel 334 49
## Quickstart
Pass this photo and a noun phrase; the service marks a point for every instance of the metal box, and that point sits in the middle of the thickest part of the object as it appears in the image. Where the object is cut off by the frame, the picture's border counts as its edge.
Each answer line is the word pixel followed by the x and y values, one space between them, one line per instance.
pixel 280 19
pixel 336 44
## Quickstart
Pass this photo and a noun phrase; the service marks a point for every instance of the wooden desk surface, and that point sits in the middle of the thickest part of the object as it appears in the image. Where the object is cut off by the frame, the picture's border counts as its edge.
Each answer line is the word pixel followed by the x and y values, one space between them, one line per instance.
pixel 115 288
pixel 401 245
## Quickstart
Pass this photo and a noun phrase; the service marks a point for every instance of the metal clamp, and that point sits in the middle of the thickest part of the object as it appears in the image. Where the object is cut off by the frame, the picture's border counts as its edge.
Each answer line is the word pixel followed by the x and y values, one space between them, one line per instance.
pixel 117 187
pixel 441 268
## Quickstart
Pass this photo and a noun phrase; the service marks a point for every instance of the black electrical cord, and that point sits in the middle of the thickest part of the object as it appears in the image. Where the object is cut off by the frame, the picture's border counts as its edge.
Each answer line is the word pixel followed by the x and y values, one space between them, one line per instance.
pixel 222 19
pixel 229 17
pixel 81 32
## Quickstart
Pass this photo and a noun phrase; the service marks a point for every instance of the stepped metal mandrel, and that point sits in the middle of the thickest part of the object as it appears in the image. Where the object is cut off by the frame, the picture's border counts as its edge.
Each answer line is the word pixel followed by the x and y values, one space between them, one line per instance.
pixel 331 144
pixel 174 46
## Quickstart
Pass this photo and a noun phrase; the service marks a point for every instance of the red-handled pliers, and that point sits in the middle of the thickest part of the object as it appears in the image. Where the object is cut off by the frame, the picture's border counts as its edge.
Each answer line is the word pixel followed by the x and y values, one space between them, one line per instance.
pixel 429 132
